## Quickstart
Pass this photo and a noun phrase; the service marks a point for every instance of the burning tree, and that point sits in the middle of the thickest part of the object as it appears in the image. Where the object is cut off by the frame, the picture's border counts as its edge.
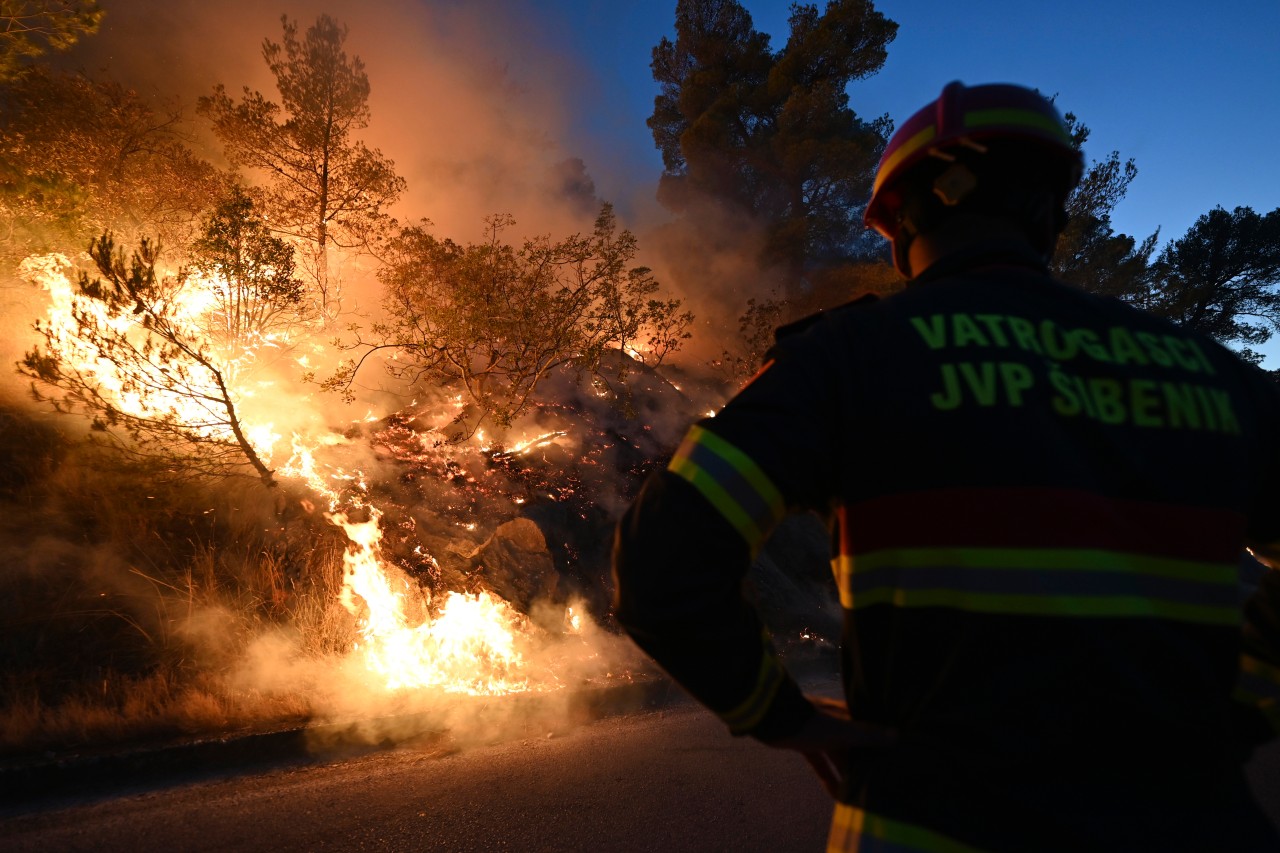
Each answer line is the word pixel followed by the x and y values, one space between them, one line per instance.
pixel 131 356
pixel 325 187
pixel 495 320
pixel 249 274
pixel 29 28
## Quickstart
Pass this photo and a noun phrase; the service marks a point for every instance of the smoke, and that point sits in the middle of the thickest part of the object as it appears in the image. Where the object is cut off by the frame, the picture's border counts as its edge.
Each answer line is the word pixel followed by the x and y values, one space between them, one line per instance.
pixel 476 112
pixel 479 104
pixel 465 97
pixel 572 668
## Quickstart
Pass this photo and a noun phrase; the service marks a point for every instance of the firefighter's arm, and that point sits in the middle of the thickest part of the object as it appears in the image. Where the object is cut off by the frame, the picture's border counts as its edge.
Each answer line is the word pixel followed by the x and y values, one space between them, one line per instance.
pixel 679 564
pixel 683 549
pixel 1258 683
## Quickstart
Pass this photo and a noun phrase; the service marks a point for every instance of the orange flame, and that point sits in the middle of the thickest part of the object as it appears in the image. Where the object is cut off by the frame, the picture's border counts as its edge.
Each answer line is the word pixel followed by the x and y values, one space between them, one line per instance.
pixel 464 643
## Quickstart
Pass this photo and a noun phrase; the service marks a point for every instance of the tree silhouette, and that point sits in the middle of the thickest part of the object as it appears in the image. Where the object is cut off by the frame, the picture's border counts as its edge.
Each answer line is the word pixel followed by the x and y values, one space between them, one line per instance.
pixel 1221 277
pixel 769 137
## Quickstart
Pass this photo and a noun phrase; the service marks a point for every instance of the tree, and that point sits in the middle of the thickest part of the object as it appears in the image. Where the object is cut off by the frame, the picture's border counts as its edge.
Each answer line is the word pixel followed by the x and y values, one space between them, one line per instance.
pixel 126 355
pixel 79 157
pixel 1221 277
pixel 324 185
pixel 1089 253
pixel 770 137
pixel 494 320
pixel 249 274
pixel 30 28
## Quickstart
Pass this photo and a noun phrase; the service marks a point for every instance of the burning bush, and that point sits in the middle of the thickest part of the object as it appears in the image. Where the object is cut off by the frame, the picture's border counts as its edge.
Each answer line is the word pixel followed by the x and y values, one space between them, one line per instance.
pixel 495 321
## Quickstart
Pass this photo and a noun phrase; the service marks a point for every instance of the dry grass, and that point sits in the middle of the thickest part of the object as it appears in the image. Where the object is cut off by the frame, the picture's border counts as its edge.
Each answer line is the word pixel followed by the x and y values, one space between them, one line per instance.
pixel 134 710
pixel 128 597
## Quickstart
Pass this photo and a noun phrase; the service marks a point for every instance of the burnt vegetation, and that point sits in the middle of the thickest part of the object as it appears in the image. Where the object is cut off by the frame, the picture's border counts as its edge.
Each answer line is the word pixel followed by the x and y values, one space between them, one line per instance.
pixel 156 521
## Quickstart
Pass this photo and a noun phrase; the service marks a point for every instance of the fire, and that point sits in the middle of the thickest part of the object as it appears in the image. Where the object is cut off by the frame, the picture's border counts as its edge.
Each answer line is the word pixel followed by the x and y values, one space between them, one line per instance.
pixel 528 445
pixel 471 643
pixel 164 397
pixel 467 645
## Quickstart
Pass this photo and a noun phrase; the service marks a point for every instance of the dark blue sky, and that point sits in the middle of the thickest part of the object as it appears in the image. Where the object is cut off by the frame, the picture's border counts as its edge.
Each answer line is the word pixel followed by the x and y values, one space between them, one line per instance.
pixel 1185 88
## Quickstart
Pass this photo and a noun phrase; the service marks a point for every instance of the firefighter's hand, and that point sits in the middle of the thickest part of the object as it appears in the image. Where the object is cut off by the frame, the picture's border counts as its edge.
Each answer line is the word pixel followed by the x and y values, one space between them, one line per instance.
pixel 828 738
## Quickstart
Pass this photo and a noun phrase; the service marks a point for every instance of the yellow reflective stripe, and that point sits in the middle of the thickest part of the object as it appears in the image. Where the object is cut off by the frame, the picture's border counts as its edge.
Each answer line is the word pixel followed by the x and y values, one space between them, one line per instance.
pixel 1050 605
pixel 1064 559
pixel 748 714
pixel 1089 582
pixel 983 118
pixel 856 831
pixel 720 499
pixel 842 568
pixel 1258 685
pixel 731 481
pixel 911 146
pixel 1260 668
pixel 744 465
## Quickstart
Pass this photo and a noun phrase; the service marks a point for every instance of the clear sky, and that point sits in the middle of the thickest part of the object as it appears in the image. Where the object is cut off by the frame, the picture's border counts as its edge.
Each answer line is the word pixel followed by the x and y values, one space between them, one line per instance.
pixel 1185 88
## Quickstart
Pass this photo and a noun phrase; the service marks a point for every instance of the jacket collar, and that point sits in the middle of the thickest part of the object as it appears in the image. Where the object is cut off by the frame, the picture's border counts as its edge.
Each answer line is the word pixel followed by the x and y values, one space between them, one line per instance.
pixel 986 254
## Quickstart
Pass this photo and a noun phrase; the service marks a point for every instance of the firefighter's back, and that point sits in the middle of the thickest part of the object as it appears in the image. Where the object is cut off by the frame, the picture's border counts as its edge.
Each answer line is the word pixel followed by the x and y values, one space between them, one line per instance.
pixel 1042 503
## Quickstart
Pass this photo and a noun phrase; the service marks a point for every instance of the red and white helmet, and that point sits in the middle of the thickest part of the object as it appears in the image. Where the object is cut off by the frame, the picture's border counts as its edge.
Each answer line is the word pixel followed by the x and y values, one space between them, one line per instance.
pixel 969 117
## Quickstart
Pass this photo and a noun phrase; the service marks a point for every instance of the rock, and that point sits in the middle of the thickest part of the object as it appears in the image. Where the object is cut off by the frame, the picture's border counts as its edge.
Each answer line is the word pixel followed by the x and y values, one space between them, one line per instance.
pixel 516 564
pixel 791 583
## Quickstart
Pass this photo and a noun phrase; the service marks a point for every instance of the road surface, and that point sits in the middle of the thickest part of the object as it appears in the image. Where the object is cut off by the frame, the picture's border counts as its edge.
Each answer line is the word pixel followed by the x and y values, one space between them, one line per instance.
pixel 669 781
pixel 658 781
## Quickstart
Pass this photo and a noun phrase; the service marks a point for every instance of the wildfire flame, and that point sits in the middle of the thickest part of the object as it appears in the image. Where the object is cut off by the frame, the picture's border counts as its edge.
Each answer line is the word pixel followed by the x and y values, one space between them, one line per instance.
pixel 461 643
pixel 468 646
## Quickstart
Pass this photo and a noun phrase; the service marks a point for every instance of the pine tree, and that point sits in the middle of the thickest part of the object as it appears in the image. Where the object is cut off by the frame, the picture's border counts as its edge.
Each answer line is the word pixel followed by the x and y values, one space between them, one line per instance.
pixel 30 28
pixel 770 136
pixel 129 358
pixel 1089 253
pixel 1223 278
pixel 325 187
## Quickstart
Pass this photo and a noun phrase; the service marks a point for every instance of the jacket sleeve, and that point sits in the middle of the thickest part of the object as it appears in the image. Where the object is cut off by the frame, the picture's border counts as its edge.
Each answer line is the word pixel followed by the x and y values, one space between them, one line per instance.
pixel 1258 681
pixel 683 548
pixel 678 566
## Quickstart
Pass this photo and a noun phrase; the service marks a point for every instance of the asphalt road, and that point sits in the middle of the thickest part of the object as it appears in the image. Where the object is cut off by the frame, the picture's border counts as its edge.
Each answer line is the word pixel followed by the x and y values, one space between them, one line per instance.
pixel 659 781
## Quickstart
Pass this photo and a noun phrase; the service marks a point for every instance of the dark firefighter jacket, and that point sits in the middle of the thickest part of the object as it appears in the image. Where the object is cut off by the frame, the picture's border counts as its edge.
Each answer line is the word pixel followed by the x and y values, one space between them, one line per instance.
pixel 1038 500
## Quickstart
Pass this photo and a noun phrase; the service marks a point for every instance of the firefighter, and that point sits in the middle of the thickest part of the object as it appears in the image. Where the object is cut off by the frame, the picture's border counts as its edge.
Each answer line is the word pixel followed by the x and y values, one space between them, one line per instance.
pixel 1037 500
